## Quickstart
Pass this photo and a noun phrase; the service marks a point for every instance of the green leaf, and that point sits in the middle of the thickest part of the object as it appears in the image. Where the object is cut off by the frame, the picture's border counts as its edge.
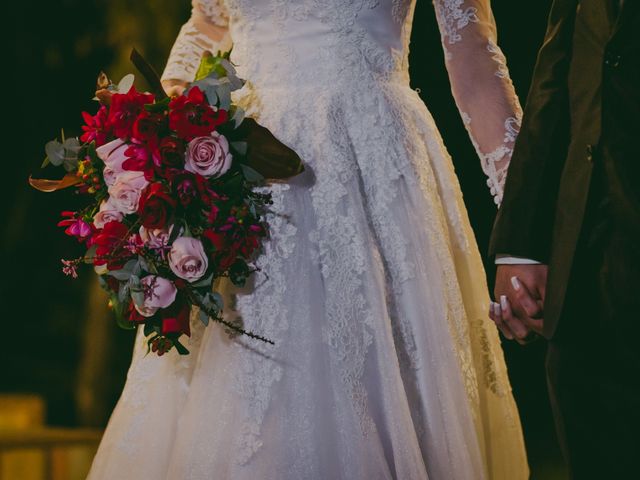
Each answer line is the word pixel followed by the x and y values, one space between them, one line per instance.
pixel 204 282
pixel 123 292
pixel 204 317
pixel 55 152
pixel 120 309
pixel 175 233
pixel 126 271
pixel 148 329
pixel 237 115
pixel 158 107
pixel 72 149
pixel 138 297
pixel 250 174
pixel 217 298
pixel 182 350
pixel 209 65
pixel 240 147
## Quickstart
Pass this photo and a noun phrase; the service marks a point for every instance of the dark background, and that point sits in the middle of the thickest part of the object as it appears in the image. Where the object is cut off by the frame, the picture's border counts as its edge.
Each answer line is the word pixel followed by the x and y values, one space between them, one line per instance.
pixel 58 338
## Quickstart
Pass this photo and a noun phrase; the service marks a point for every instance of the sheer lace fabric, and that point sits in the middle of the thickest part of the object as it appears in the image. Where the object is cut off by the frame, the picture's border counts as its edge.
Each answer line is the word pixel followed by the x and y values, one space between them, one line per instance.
pixel 481 84
pixel 385 365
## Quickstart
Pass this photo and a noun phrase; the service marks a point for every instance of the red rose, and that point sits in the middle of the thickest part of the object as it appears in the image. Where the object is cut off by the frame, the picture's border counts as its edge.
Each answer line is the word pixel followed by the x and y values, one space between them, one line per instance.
pixel 217 240
pixel 191 188
pixel 110 245
pixel 175 319
pixel 96 127
pixel 191 115
pixel 125 109
pixel 172 152
pixel 247 245
pixel 148 127
pixel 156 206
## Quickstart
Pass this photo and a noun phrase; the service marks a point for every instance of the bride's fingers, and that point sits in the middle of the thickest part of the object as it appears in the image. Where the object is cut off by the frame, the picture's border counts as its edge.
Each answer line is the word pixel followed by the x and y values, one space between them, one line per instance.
pixel 517 327
pixel 495 313
pixel 532 307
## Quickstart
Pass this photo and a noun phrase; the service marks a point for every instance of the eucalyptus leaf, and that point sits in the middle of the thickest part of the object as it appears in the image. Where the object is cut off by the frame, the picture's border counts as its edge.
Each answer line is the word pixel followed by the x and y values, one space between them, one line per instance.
pixel 65 153
pixel 224 96
pixel 142 266
pixel 121 275
pixel 237 117
pixel 123 292
pixel 250 174
pixel 55 152
pixel 126 83
pixel 240 147
pixel 126 271
pixel 218 300
pixel 138 297
pixel 205 282
pixel 204 317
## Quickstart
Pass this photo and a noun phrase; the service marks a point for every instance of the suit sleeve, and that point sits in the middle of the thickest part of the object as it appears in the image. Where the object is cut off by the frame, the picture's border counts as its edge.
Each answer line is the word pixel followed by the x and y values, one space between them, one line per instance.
pixel 525 220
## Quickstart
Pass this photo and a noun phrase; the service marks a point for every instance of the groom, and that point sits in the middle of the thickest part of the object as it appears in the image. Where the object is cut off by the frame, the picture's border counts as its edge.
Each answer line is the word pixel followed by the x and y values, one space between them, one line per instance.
pixel 567 238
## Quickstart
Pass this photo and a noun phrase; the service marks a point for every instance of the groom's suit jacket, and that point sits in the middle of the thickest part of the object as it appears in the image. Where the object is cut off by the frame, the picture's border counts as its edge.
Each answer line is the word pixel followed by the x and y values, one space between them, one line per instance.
pixel 583 108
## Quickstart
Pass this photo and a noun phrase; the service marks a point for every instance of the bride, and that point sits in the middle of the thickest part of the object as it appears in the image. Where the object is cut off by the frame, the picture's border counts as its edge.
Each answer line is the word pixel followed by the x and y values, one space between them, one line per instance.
pixel 385 365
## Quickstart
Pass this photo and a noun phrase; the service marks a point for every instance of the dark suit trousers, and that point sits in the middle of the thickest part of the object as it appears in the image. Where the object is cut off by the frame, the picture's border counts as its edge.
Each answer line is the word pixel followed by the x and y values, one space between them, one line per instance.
pixel 593 363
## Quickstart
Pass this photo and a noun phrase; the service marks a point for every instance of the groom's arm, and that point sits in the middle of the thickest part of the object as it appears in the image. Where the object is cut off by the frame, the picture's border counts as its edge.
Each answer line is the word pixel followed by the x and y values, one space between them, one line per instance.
pixel 524 223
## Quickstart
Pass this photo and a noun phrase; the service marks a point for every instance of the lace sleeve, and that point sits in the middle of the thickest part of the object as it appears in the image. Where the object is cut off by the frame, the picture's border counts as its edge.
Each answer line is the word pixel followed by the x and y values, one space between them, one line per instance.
pixel 481 84
pixel 206 30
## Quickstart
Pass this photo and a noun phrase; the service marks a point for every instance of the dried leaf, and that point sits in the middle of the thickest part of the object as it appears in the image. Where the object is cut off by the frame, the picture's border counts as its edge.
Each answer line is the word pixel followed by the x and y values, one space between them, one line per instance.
pixel 47 186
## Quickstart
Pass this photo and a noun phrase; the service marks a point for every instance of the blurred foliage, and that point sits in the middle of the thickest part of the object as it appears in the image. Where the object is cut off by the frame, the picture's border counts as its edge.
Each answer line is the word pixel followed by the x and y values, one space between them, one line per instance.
pixel 149 25
pixel 57 51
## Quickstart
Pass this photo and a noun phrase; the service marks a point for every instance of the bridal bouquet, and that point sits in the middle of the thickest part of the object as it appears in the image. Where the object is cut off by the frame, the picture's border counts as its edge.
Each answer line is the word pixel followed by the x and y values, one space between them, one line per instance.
pixel 172 203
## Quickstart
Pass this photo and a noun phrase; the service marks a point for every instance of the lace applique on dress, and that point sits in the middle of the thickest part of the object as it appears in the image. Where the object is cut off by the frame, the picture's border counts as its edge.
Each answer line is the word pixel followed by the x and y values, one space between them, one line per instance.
pixel 454 16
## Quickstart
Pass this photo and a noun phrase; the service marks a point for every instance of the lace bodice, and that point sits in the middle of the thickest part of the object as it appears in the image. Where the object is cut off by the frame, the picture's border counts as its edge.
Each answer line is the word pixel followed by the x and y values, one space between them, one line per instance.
pixel 337 41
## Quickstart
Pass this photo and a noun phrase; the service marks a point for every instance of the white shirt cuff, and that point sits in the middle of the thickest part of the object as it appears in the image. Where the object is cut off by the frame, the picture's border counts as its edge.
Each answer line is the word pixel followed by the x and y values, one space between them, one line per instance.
pixel 502 259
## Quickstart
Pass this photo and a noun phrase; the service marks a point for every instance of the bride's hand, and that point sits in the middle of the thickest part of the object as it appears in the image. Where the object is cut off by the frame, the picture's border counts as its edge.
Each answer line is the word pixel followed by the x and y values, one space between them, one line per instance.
pixel 174 88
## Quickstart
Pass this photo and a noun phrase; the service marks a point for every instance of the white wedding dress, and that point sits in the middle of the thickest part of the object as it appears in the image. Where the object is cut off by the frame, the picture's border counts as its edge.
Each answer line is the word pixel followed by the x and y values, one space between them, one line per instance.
pixel 385 365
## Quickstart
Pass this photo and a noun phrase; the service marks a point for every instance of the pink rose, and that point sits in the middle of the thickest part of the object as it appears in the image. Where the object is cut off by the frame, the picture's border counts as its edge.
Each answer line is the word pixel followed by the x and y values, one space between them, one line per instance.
pixel 156 238
pixel 125 192
pixel 158 293
pixel 113 156
pixel 209 156
pixel 187 259
pixel 106 214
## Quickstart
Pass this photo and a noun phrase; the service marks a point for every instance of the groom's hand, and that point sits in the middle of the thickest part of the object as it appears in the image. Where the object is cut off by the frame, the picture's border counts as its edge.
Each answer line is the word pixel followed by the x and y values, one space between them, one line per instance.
pixel 524 287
